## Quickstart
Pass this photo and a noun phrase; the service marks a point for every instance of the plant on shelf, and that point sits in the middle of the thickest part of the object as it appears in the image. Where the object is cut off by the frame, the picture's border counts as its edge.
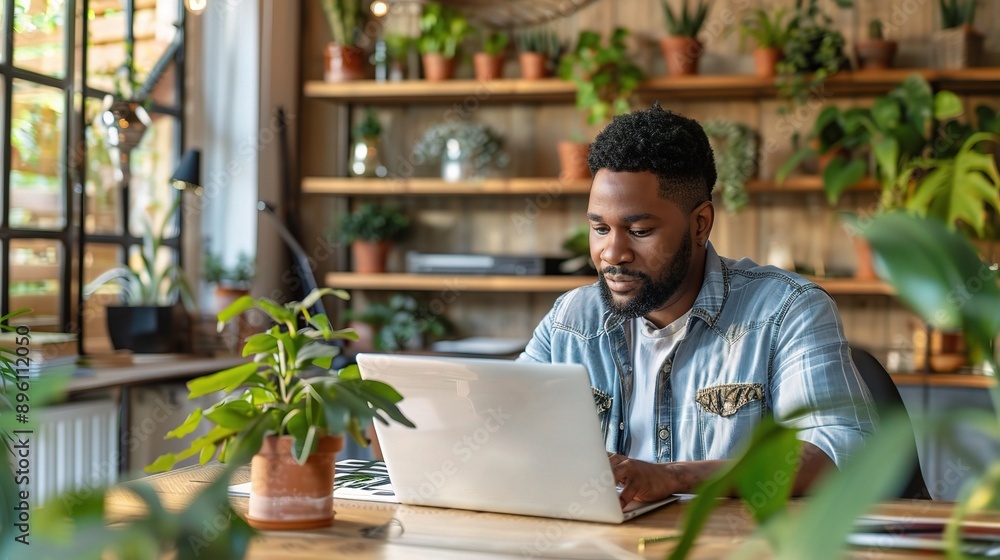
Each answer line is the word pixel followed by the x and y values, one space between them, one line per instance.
pixel 488 62
pixel 149 292
pixel 812 52
pixel 877 52
pixel 466 150
pixel 398 49
pixel 735 147
pixel 366 152
pixel 286 411
pixel 538 52
pixel 605 78
pixel 681 48
pixel 401 323
pixel 344 60
pixel 957 44
pixel 371 230
pixel 442 30
pixel 770 34
pixel 230 282
pixel 578 246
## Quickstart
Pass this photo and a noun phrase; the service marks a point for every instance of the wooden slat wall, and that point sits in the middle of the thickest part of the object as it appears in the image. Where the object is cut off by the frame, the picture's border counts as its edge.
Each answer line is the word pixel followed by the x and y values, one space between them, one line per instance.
pixel 801 222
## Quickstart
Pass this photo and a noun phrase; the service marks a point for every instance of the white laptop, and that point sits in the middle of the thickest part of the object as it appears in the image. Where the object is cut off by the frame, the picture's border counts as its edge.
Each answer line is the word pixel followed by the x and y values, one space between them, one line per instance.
pixel 499 436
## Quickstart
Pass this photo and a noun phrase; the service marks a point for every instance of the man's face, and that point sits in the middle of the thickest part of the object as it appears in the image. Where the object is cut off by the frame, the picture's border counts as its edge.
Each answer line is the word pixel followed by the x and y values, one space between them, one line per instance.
pixel 640 242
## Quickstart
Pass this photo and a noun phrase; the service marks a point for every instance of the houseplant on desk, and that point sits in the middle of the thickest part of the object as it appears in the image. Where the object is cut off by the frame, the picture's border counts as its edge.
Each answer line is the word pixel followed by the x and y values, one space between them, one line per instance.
pixel 290 424
pixel 150 319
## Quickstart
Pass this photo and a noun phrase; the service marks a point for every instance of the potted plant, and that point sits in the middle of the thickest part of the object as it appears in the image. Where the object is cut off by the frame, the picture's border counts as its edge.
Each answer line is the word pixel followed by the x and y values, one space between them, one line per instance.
pixel 398 49
pixel 343 60
pixel 401 323
pixel 288 424
pixel 149 319
pixel 681 48
pixel 537 50
pixel 230 283
pixel 770 34
pixel 812 52
pixel 442 30
pixel 877 52
pixel 488 63
pixel 957 44
pixel 371 230
pixel 605 78
pixel 735 147
pixel 366 153
pixel 467 150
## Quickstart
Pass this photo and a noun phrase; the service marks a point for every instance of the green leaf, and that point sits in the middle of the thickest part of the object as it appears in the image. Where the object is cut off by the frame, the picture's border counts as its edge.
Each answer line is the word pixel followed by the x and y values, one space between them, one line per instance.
pixel 260 343
pixel 947 105
pixel 840 174
pixel 248 442
pixel 277 312
pixel 819 530
pixel 313 351
pixel 189 425
pixel 235 415
pixel 793 162
pixel 241 305
pixel 227 380
pixel 349 372
pixel 207 453
pixel 886 113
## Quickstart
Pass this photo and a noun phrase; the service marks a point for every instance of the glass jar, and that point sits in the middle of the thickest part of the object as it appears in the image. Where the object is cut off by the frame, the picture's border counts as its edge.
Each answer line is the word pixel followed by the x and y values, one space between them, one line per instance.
pixel 365 158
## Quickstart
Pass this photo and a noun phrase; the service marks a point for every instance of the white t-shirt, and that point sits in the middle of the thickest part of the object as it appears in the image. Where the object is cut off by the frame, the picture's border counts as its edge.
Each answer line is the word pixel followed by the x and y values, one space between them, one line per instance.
pixel 650 348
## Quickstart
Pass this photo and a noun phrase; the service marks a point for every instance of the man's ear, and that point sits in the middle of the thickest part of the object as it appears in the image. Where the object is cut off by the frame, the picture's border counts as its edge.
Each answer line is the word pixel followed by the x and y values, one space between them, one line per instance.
pixel 702 220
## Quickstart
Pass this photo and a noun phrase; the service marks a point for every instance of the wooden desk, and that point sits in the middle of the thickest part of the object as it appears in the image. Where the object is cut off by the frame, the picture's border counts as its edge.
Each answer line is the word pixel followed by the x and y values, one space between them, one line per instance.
pixel 448 533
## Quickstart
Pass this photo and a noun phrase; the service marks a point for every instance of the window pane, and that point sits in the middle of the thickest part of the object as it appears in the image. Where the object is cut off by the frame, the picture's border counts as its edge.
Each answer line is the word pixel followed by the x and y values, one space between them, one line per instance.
pixel 154 30
pixel 97 259
pixel 103 191
pixel 152 165
pixel 36 135
pixel 40 36
pixel 106 51
pixel 3 26
pixel 35 266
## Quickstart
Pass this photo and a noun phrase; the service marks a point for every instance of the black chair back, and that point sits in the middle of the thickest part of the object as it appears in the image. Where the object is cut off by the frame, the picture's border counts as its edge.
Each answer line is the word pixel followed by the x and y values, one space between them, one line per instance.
pixel 887 398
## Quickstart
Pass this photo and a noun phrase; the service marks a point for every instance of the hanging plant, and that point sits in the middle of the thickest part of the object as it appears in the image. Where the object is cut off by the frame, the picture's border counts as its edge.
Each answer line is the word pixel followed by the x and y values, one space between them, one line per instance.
pixel 735 147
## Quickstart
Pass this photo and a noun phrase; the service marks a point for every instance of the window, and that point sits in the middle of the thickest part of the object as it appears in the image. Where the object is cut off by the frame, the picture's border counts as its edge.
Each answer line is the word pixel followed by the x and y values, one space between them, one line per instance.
pixel 66 212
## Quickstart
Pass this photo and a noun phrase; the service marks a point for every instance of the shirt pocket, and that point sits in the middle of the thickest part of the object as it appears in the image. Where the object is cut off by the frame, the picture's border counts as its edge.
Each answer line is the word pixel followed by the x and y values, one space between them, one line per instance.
pixel 603 402
pixel 726 415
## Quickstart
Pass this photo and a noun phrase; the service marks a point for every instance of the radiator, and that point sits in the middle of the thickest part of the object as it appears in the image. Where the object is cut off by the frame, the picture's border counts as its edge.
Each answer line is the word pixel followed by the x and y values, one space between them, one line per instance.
pixel 74 447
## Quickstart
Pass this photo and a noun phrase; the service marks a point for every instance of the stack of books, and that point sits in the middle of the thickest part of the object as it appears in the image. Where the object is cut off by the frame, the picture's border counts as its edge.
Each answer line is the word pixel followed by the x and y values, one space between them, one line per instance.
pixel 47 352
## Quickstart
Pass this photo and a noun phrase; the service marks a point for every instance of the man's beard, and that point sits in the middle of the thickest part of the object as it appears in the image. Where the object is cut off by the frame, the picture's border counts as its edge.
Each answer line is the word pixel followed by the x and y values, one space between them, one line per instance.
pixel 653 294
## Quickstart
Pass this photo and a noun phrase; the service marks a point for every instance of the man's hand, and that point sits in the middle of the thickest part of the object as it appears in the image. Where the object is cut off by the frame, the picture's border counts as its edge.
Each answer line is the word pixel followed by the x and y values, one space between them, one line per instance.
pixel 642 481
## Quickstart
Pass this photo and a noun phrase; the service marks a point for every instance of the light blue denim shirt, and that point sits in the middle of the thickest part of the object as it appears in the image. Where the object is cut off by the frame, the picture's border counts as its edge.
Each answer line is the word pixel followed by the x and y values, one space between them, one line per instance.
pixel 760 340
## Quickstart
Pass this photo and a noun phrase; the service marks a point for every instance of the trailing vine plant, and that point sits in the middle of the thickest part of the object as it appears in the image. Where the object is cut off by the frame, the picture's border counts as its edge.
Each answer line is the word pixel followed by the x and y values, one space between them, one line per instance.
pixel 735 147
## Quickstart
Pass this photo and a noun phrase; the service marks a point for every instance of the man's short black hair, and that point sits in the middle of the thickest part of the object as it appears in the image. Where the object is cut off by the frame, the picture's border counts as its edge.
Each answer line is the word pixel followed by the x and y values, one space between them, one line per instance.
pixel 672 147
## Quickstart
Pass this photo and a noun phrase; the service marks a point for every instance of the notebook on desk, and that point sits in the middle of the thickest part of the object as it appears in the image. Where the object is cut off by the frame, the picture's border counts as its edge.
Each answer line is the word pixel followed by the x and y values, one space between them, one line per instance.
pixel 498 435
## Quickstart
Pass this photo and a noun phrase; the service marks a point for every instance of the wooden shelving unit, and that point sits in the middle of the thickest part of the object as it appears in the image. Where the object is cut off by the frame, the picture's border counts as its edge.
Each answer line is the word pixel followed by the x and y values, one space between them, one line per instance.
pixel 701 87
pixel 521 185
pixel 558 284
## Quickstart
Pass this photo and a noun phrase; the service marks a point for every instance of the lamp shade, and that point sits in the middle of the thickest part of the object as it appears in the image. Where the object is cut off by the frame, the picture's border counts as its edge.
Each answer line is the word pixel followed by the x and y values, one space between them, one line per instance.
pixel 188 173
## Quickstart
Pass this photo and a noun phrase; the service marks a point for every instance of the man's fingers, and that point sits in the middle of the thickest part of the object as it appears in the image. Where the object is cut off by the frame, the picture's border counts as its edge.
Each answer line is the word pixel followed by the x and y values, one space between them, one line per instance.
pixel 628 493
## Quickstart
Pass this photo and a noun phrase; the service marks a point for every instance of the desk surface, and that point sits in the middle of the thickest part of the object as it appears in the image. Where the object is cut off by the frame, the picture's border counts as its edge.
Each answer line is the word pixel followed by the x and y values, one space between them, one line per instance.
pixel 448 533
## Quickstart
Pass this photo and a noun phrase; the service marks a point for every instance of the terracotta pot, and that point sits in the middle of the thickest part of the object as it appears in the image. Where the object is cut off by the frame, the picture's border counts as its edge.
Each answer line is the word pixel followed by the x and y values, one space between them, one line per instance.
pixel 224 296
pixel 437 67
pixel 487 66
pixel 864 270
pixel 875 55
pixel 533 65
pixel 285 495
pixel 370 257
pixel 343 63
pixel 956 48
pixel 573 161
pixel 682 55
pixel 765 62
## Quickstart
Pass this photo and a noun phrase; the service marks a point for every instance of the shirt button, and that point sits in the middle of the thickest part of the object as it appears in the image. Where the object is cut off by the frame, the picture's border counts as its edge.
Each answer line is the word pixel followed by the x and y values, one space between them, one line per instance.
pixel 664 433
pixel 621 425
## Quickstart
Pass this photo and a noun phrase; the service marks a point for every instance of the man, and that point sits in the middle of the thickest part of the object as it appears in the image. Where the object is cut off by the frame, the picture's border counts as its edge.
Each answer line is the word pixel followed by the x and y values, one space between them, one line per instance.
pixel 686 350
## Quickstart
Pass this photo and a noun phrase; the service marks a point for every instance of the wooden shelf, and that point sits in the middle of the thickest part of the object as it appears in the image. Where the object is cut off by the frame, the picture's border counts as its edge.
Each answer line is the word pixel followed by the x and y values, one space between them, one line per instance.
pixel 433 186
pixel 700 87
pixel 522 185
pixel 477 283
pixel 967 380
pixel 456 282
